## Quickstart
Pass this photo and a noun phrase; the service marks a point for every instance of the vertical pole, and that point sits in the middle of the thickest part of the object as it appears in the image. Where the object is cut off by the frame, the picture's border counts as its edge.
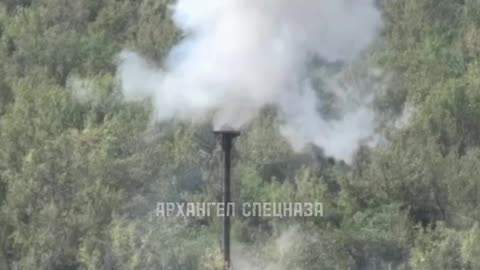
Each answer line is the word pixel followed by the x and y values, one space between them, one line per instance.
pixel 227 146
pixel 226 136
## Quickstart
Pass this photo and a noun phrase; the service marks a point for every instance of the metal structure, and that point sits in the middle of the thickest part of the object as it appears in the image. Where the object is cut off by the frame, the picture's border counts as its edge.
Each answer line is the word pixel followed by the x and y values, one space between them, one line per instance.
pixel 226 136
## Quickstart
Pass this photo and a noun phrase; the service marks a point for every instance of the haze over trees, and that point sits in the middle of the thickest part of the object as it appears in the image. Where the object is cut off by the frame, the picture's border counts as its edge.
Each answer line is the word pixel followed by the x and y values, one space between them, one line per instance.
pixel 81 171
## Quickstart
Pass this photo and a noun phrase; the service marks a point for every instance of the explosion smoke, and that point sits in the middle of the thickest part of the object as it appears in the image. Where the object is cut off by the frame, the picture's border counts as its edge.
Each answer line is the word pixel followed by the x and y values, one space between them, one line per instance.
pixel 240 56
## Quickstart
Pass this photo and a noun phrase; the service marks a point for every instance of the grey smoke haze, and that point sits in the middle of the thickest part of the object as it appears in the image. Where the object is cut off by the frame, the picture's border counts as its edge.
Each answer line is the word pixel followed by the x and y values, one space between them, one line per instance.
pixel 251 258
pixel 239 56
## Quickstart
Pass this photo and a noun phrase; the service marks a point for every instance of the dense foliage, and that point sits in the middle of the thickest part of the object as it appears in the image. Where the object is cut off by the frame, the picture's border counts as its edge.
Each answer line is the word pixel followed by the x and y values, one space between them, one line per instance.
pixel 81 171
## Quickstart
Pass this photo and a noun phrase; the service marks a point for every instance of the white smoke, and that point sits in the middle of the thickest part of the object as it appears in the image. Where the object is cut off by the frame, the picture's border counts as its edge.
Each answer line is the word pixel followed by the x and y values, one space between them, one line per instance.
pixel 239 56
pixel 280 249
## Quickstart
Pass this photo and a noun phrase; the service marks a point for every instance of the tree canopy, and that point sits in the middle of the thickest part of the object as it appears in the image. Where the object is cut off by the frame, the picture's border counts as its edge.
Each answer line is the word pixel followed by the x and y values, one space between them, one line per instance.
pixel 81 170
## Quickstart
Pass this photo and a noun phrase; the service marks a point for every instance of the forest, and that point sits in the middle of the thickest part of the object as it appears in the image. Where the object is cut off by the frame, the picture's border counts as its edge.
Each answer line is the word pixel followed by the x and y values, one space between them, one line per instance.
pixel 81 170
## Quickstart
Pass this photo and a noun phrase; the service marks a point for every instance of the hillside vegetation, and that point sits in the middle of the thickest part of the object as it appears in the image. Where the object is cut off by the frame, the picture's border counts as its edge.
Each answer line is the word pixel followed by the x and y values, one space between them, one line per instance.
pixel 81 171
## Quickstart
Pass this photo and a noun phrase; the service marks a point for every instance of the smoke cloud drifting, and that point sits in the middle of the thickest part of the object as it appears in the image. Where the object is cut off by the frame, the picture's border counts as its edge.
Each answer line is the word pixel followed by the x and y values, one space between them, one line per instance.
pixel 240 56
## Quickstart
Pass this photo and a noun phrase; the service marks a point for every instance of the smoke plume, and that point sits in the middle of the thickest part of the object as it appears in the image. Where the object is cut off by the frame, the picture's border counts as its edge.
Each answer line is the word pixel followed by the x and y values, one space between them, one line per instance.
pixel 240 56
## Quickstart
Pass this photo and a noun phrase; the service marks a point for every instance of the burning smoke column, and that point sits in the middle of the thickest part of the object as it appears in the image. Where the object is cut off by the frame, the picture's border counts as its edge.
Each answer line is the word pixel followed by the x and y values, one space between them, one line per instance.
pixel 226 136
pixel 239 56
